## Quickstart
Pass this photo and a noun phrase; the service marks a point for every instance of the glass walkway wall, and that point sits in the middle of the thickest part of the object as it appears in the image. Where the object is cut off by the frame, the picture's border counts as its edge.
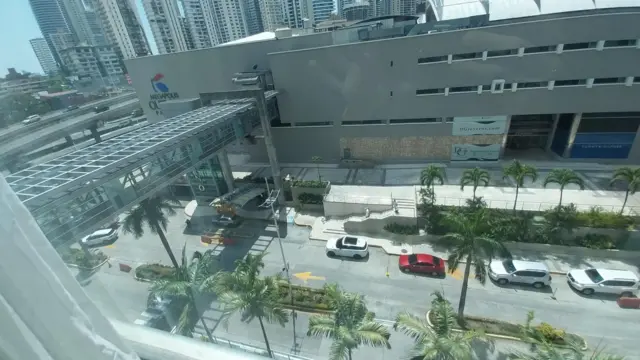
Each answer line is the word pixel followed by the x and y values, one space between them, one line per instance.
pixel 68 214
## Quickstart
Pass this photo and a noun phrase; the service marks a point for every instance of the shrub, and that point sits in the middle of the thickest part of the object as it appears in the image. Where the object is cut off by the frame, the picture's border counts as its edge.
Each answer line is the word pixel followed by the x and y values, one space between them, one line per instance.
pixel 400 229
pixel 598 218
pixel 309 183
pixel 308 198
pixel 304 297
pixel 596 241
pixel 549 333
pixel 155 272
pixel 78 257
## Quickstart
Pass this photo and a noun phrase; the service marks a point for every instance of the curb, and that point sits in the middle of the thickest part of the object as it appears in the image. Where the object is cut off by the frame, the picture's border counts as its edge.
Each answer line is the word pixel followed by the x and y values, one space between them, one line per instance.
pixel 86 268
pixel 139 278
pixel 584 346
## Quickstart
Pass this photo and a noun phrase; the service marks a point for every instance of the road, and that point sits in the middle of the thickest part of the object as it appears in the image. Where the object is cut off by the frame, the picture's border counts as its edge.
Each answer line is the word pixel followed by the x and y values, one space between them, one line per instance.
pixel 599 320
pixel 43 132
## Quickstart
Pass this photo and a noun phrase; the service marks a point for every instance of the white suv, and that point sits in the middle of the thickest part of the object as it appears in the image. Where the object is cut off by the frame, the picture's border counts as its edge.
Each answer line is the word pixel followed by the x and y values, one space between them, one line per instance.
pixel 100 237
pixel 31 119
pixel 519 271
pixel 589 281
pixel 348 246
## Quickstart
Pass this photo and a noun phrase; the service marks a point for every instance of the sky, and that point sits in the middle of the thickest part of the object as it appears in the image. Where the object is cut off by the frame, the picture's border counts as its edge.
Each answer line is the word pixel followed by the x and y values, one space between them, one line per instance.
pixel 18 26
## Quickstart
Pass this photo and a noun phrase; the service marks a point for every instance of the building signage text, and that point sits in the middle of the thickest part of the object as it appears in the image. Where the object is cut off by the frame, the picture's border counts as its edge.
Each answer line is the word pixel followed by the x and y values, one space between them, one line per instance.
pixel 160 93
pixel 480 125
pixel 475 152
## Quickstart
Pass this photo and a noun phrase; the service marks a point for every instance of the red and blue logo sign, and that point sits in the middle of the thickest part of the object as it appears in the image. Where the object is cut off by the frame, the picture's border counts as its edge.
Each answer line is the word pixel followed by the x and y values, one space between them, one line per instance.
pixel 160 93
pixel 158 85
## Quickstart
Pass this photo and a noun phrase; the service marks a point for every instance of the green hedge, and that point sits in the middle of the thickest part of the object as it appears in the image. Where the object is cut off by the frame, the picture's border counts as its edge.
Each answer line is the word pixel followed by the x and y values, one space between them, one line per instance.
pixel 400 229
pixel 598 218
pixel 309 183
pixel 155 272
pixel 78 257
pixel 305 298
pixel 308 198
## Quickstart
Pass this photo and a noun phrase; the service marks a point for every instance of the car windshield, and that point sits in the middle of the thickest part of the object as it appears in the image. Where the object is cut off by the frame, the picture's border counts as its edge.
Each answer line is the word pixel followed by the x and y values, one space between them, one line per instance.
pixel 508 265
pixel 594 275
pixel 413 258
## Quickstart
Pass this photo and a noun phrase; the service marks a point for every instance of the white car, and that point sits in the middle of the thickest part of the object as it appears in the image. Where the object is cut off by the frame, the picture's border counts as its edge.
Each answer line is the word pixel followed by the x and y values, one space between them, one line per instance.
pixel 589 281
pixel 100 237
pixel 531 273
pixel 348 246
pixel 31 119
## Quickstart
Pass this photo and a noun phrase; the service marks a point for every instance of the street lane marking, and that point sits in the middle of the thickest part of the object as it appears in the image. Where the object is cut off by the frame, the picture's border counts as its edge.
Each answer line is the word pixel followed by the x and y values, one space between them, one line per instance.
pixel 304 276
pixel 111 246
pixel 459 274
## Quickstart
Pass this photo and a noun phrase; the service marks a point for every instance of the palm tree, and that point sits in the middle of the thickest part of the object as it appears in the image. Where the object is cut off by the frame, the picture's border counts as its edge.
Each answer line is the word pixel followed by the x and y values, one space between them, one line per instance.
pixel 153 212
pixel 184 289
pixel 471 244
pixel 631 177
pixel 474 177
pixel 438 341
pixel 350 326
pixel 563 177
pixel 519 172
pixel 243 291
pixel 317 160
pixel 430 175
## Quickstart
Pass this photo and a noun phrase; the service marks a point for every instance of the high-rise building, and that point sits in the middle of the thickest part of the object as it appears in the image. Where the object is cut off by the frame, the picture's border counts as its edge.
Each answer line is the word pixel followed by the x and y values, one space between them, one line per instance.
pixel 199 16
pixel 213 22
pixel 188 38
pixel 44 55
pixel 77 18
pixel 229 20
pixel 320 10
pixel 95 61
pixel 99 34
pixel 122 27
pixel 295 11
pixel 272 12
pixel 253 17
pixel 51 19
pixel 166 28
pixel 62 40
pixel 403 7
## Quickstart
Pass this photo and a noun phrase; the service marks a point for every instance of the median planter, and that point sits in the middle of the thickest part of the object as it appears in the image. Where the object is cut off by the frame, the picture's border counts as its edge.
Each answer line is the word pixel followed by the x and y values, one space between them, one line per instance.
pixel 305 299
pixel 77 258
pixel 509 331
pixel 152 272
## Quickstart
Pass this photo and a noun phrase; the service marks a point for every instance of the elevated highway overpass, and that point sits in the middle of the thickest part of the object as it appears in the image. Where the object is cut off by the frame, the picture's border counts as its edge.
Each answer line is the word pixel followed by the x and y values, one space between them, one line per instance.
pixel 54 117
pixel 12 148
pixel 76 193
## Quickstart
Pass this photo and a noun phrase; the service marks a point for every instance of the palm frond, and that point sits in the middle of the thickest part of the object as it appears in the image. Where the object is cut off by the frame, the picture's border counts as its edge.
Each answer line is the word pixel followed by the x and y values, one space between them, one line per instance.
pixel 373 334
pixel 321 325
pixel 170 288
pixel 412 326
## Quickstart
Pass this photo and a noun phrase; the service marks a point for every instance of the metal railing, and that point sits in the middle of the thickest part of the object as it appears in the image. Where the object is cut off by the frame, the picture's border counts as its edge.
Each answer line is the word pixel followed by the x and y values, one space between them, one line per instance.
pixel 251 349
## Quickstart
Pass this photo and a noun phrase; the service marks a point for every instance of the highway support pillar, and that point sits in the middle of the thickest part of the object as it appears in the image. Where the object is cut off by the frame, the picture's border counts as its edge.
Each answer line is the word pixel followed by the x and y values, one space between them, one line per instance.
pixel 95 133
pixel 227 173
pixel 69 140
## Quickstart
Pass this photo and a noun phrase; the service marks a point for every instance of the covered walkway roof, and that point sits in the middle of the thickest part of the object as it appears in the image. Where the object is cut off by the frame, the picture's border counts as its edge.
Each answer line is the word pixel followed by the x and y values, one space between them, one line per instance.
pixel 50 180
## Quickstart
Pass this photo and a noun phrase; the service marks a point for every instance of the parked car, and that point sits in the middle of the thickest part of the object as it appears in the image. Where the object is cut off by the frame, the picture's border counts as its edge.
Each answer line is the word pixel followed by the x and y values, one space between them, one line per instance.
pixel 589 281
pixel 99 109
pixel 226 220
pixel 71 108
pixel 348 246
pixel 162 313
pixel 422 263
pixel 101 236
pixel 137 112
pixel 31 119
pixel 531 273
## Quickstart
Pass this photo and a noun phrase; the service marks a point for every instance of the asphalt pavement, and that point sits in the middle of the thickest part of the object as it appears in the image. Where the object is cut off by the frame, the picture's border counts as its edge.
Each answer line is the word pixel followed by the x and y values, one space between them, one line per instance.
pixel 388 291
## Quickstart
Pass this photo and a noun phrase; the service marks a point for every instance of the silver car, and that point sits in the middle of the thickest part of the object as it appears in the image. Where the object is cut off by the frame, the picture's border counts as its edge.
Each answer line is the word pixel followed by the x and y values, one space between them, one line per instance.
pixel 589 281
pixel 531 273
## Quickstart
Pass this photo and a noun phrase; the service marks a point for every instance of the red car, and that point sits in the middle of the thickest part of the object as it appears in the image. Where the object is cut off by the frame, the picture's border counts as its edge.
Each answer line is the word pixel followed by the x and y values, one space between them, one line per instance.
pixel 422 263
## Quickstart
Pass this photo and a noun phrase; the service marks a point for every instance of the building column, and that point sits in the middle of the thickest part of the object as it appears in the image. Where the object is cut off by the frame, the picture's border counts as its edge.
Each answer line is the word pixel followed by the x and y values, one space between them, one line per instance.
pixel 268 142
pixel 552 134
pixel 69 140
pixel 95 133
pixel 223 160
pixel 503 145
pixel 572 134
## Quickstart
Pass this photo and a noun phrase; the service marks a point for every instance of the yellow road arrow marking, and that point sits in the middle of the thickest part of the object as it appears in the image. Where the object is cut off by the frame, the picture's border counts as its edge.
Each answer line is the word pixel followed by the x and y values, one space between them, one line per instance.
pixel 304 276
pixel 459 274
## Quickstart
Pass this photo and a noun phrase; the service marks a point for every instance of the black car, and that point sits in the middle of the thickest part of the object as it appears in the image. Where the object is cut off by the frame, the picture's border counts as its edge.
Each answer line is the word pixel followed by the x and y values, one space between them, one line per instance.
pixel 137 112
pixel 71 108
pixel 99 109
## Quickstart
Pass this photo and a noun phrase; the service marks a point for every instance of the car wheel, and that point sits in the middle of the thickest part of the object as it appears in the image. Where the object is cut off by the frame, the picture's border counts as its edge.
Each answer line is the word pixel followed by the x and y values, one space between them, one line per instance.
pixel 331 254
pixel 435 273
pixel 538 285
pixel 357 257
pixel 588 291
pixel 626 294
pixel 503 281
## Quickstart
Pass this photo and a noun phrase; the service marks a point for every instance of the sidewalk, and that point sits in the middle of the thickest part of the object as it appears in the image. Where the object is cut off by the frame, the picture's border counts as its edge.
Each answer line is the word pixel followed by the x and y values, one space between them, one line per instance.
pixel 557 263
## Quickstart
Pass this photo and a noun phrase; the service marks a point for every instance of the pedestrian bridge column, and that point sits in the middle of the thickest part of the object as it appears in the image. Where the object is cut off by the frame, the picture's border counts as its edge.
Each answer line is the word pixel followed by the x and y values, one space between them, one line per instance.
pixel 95 133
pixel 223 159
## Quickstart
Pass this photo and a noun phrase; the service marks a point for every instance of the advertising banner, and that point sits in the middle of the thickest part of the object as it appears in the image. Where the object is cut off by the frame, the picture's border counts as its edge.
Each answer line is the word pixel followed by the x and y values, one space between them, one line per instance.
pixel 602 145
pixel 475 152
pixel 479 125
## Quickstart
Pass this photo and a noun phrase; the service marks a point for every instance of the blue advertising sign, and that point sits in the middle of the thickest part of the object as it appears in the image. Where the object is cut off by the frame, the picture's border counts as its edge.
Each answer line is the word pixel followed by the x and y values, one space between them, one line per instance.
pixel 600 151
pixel 604 138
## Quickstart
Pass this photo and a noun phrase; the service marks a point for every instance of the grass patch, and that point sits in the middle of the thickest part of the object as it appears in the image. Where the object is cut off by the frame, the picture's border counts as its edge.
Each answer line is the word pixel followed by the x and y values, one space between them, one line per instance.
pixel 153 272
pixel 498 327
pixel 79 258
pixel 304 298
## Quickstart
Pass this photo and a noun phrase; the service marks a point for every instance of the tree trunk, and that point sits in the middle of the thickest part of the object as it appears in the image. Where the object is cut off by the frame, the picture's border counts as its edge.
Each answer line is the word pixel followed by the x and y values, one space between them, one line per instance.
pixel 626 197
pixel 165 243
pixel 206 329
pixel 319 177
pixel 349 353
pixel 264 333
pixel 475 187
pixel 561 191
pixel 463 293
pixel 515 202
